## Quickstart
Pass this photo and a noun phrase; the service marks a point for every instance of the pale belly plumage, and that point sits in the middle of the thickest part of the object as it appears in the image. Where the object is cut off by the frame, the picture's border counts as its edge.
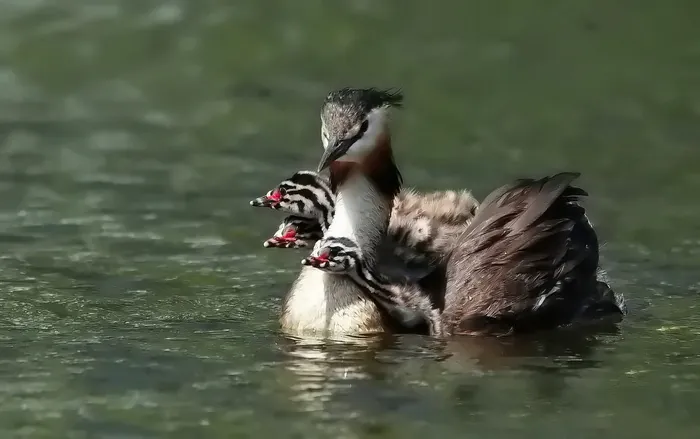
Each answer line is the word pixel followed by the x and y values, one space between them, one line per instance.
pixel 321 303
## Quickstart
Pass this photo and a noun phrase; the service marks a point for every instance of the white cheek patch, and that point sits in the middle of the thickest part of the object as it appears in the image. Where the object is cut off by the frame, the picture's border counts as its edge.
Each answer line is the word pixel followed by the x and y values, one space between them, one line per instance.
pixel 324 135
pixel 376 125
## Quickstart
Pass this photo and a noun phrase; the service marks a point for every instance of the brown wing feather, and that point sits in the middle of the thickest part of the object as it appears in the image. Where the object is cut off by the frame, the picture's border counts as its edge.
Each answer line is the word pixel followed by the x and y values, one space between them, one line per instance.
pixel 522 243
pixel 549 191
pixel 526 199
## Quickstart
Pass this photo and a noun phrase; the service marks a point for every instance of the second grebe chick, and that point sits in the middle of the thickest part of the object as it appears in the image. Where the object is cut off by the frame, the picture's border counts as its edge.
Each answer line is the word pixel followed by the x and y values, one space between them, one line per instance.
pixel 295 232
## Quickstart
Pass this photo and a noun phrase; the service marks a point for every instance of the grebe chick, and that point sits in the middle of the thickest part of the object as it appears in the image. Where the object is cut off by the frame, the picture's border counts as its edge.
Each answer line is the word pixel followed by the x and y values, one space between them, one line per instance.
pixel 305 194
pixel 295 232
pixel 408 304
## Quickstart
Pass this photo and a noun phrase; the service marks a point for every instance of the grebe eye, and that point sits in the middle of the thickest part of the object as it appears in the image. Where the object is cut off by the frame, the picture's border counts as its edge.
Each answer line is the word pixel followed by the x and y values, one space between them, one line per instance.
pixel 363 127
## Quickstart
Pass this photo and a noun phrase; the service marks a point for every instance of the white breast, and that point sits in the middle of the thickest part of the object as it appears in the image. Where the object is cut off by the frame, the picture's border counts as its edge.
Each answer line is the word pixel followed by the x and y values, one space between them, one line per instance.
pixel 320 303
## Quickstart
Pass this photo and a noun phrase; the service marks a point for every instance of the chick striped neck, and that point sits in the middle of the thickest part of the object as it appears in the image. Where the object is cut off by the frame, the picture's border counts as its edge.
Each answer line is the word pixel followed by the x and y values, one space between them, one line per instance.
pixel 310 195
pixel 384 294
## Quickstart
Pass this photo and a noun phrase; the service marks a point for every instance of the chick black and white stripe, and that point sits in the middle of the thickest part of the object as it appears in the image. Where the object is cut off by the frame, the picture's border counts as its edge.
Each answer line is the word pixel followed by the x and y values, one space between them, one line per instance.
pixel 407 305
pixel 304 194
pixel 421 226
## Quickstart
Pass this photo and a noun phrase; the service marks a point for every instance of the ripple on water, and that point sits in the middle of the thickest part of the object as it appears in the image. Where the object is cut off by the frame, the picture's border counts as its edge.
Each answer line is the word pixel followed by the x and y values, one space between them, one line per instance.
pixel 137 300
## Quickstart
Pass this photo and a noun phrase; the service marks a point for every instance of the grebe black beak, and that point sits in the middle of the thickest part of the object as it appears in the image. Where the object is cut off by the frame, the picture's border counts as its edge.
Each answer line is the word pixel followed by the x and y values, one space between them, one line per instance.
pixel 334 151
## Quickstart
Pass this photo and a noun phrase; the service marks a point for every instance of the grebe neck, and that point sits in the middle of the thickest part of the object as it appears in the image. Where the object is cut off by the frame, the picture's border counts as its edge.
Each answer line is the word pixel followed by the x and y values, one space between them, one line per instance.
pixel 365 194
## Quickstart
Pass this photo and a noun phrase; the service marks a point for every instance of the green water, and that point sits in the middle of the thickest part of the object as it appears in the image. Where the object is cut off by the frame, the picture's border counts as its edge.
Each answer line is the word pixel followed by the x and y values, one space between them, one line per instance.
pixel 138 301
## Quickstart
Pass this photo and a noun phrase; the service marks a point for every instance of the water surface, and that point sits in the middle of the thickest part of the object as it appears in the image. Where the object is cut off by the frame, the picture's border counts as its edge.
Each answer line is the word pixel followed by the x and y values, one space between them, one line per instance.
pixel 138 301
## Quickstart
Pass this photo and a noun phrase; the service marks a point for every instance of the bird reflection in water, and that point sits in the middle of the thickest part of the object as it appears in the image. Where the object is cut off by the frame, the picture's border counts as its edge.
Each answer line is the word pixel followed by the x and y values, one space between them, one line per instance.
pixel 325 369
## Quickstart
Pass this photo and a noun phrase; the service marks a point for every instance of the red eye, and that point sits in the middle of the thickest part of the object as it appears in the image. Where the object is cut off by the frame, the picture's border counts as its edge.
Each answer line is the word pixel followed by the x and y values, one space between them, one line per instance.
pixel 324 256
pixel 276 195
pixel 290 233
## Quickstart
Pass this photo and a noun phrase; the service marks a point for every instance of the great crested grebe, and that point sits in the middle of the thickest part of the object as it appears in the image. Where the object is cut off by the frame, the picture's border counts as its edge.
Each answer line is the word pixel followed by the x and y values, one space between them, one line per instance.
pixel 328 304
pixel 419 222
pixel 527 261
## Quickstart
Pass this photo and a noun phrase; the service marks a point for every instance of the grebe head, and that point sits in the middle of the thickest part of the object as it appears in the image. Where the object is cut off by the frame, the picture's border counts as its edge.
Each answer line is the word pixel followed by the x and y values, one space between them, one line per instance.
pixel 334 255
pixel 304 194
pixel 295 232
pixel 353 120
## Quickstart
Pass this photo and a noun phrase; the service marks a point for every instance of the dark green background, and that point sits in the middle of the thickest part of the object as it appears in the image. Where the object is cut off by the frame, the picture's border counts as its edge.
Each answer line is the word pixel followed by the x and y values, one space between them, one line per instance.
pixel 138 301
